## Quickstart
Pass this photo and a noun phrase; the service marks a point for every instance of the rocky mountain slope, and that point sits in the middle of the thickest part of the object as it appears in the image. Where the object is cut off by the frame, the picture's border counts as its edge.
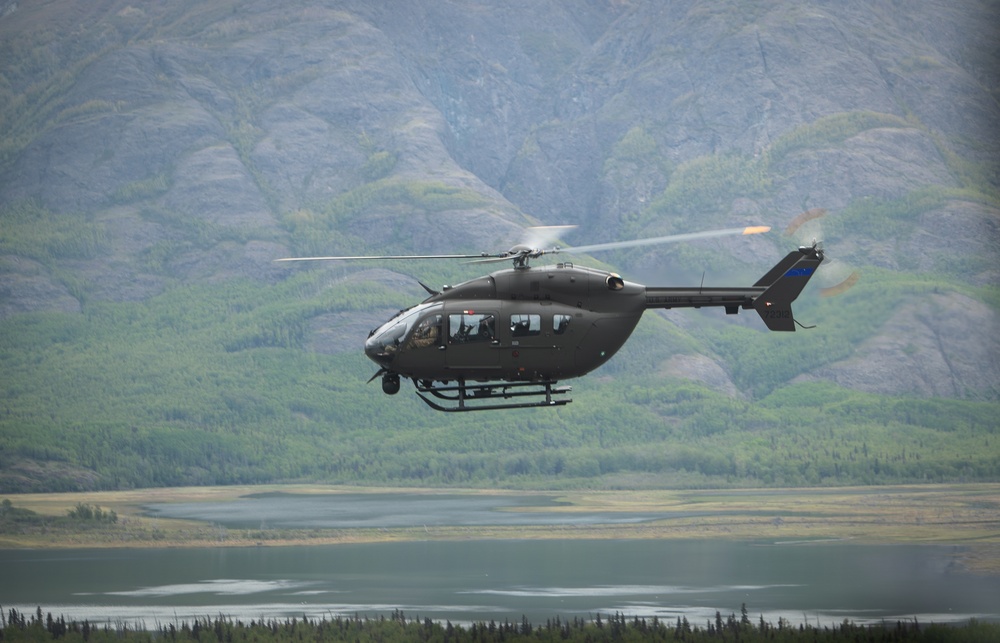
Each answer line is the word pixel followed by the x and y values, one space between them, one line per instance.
pixel 148 145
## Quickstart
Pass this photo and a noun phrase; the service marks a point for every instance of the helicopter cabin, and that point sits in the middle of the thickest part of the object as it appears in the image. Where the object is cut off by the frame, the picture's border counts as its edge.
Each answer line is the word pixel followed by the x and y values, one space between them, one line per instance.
pixel 513 325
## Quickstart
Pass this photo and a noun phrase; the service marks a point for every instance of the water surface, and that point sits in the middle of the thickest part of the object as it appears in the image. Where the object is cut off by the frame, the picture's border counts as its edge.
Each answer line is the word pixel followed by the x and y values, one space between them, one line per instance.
pixel 482 580
pixel 353 510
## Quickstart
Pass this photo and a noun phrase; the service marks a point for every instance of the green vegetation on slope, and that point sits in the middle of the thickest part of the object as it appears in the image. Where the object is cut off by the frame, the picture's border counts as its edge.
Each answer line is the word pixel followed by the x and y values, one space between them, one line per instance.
pixel 703 188
pixel 30 230
pixel 210 384
pixel 213 383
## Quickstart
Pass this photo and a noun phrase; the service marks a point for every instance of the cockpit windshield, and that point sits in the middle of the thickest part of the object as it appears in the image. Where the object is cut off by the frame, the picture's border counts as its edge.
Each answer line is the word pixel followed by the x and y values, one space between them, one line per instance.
pixel 386 340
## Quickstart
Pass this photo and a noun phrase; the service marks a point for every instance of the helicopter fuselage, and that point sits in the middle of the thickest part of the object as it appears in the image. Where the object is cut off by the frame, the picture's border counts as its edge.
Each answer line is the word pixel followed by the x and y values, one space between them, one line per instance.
pixel 505 340
pixel 544 323
pixel 536 326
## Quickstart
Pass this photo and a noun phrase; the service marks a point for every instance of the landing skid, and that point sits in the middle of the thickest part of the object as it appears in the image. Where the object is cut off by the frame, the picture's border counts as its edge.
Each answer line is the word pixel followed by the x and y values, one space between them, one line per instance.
pixel 462 397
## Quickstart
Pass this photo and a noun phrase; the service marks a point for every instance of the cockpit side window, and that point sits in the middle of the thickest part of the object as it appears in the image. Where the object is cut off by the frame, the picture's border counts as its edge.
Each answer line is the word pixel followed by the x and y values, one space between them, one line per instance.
pixel 427 333
pixel 466 327
pixel 560 323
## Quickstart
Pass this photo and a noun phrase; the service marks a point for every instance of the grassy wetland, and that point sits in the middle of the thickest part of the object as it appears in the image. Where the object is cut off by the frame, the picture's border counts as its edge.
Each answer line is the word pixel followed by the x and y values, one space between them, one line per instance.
pixel 967 515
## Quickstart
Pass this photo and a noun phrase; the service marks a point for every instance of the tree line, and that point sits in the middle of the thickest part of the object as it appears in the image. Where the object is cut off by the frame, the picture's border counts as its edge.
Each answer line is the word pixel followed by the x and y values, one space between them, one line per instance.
pixel 19 627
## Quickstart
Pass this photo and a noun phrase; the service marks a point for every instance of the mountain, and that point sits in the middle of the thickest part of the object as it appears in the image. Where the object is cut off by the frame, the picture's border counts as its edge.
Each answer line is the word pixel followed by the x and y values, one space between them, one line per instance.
pixel 156 156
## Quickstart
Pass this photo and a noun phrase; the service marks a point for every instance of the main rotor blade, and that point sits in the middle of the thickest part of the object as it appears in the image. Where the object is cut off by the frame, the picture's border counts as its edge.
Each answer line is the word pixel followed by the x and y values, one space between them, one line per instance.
pixel 485 257
pixel 493 258
pixel 658 240
pixel 544 236
pixel 376 257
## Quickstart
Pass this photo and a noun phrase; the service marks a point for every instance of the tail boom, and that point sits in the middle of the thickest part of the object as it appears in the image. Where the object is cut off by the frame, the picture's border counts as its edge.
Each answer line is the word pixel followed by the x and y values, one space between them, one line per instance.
pixel 771 296
pixel 731 298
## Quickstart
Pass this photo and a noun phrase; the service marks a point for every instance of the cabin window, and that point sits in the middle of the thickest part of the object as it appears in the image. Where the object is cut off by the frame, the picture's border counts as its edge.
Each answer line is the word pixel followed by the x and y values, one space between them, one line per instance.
pixel 467 327
pixel 427 333
pixel 560 323
pixel 525 325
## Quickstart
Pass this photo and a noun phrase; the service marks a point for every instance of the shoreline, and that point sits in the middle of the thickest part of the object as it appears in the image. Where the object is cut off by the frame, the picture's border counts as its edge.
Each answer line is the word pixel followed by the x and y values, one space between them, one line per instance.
pixel 964 515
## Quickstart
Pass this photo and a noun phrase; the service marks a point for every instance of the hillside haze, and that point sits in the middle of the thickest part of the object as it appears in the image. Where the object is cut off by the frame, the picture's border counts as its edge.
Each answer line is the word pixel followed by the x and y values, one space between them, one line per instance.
pixel 157 156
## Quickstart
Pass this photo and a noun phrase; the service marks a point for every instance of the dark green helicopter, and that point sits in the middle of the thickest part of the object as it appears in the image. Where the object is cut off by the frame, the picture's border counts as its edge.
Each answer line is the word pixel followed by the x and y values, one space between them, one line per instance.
pixel 505 340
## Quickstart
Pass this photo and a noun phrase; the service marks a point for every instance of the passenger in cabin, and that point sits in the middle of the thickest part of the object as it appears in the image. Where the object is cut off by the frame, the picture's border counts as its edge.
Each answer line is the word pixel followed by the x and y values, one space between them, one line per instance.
pixel 469 327
pixel 486 328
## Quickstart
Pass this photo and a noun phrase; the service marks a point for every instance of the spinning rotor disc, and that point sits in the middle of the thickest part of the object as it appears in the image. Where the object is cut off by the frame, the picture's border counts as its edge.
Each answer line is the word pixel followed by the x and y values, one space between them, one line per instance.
pixel 837 275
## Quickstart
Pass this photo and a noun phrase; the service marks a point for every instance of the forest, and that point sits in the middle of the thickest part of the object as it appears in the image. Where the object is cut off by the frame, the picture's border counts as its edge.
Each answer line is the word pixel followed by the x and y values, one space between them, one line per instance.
pixel 213 387
pixel 399 628
pixel 214 384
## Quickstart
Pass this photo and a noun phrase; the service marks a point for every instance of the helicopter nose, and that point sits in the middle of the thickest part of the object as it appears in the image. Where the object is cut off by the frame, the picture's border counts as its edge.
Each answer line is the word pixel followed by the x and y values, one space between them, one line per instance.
pixel 377 353
pixel 382 346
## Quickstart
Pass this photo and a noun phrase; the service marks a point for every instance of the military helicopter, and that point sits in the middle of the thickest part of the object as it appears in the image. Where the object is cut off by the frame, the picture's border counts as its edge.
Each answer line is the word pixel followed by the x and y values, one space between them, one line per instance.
pixel 506 340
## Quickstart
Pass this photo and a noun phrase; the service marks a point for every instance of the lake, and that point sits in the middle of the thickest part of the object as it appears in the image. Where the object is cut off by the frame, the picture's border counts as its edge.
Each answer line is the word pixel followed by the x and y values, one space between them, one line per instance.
pixel 482 580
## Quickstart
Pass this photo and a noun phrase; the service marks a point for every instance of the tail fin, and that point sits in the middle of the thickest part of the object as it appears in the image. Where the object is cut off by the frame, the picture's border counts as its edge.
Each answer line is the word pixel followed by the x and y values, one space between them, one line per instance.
pixel 783 284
